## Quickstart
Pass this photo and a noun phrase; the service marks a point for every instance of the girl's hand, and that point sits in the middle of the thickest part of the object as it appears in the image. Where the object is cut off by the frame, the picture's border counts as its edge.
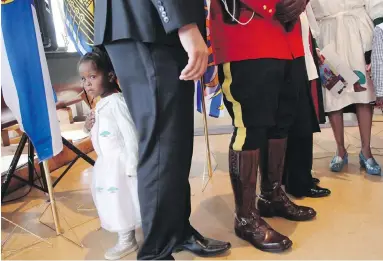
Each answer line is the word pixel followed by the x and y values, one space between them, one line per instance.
pixel 89 122
pixel 368 70
pixel 368 67
pixel 379 102
pixel 320 57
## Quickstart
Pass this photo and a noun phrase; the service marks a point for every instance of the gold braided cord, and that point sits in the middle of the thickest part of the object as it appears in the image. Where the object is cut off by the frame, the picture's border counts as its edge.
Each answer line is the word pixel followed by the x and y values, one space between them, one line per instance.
pixel 81 13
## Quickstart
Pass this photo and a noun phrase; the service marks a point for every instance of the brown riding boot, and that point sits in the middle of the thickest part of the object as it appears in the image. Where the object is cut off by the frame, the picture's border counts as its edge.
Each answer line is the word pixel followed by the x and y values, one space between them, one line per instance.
pixel 273 200
pixel 248 225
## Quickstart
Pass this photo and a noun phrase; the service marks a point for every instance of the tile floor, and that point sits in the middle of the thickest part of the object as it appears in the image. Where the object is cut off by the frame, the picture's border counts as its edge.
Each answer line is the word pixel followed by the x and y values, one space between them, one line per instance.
pixel 349 224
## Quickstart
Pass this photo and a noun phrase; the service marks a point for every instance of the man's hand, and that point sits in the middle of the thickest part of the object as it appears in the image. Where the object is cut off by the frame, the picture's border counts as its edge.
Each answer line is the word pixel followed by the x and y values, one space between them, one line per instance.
pixel 289 10
pixel 89 122
pixel 195 46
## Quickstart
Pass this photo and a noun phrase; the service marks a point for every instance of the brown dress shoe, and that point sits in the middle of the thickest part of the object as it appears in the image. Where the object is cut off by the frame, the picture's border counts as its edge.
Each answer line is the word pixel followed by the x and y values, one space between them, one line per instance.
pixel 282 206
pixel 248 225
pixel 274 201
pixel 258 233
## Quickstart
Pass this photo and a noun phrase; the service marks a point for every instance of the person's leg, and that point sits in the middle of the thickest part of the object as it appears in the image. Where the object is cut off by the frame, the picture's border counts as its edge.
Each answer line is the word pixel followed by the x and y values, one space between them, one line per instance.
pixel 126 244
pixel 252 108
pixel 274 201
pixel 299 153
pixel 298 165
pixel 364 112
pixel 337 125
pixel 299 160
pixel 162 109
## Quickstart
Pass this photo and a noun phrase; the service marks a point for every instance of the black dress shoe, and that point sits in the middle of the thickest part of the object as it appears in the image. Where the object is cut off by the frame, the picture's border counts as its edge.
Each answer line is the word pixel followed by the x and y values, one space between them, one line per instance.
pixel 202 246
pixel 318 192
pixel 315 180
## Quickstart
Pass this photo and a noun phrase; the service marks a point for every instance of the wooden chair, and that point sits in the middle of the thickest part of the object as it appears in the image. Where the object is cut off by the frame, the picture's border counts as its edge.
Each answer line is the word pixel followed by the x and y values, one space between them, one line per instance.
pixel 67 95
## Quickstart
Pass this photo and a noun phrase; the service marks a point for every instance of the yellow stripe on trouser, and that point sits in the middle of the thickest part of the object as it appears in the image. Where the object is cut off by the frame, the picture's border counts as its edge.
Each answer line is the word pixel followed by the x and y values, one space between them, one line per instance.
pixel 237 109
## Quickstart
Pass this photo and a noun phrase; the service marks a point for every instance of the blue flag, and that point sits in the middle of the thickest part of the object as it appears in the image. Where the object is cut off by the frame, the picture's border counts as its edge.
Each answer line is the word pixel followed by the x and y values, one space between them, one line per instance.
pixel 26 84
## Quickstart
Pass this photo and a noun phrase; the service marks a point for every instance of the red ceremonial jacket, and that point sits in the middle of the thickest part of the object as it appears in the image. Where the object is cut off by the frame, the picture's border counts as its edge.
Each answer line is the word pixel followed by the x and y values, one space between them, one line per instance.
pixel 261 38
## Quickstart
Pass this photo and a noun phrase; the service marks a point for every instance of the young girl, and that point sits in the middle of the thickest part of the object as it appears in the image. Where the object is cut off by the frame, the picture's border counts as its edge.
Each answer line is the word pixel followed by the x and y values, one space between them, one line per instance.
pixel 347 25
pixel 114 185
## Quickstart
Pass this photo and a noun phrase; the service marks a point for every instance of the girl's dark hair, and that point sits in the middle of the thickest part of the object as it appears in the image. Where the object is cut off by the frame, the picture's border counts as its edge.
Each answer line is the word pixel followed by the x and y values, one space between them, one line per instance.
pixel 100 58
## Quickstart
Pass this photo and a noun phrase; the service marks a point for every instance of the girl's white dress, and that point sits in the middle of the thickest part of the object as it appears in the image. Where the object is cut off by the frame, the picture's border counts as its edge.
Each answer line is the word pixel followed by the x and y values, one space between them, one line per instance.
pixel 346 24
pixel 114 181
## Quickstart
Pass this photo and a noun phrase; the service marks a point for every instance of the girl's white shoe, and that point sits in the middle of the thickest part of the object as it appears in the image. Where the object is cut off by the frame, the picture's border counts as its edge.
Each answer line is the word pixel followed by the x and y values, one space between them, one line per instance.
pixel 126 244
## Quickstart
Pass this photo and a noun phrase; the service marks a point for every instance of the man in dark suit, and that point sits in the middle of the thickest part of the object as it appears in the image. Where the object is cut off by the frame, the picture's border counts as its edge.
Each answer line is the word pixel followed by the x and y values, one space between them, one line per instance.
pixel 157 49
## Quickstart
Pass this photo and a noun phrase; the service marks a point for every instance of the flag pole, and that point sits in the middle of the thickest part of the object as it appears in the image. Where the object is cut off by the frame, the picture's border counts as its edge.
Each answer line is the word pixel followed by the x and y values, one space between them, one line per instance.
pixel 51 197
pixel 206 131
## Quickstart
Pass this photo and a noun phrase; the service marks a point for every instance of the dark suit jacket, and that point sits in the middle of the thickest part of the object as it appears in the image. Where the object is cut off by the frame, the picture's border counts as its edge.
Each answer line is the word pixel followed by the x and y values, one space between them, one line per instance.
pixel 151 21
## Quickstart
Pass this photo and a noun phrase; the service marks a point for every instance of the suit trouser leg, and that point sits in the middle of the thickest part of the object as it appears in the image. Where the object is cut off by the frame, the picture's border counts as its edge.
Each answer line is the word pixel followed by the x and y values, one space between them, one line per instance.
pixel 299 154
pixel 298 165
pixel 162 109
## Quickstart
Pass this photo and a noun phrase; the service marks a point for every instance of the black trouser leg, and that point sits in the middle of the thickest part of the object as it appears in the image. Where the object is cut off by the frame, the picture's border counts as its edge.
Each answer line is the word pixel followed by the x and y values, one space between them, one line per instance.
pixel 299 153
pixel 162 109
pixel 251 89
pixel 298 165
pixel 293 80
